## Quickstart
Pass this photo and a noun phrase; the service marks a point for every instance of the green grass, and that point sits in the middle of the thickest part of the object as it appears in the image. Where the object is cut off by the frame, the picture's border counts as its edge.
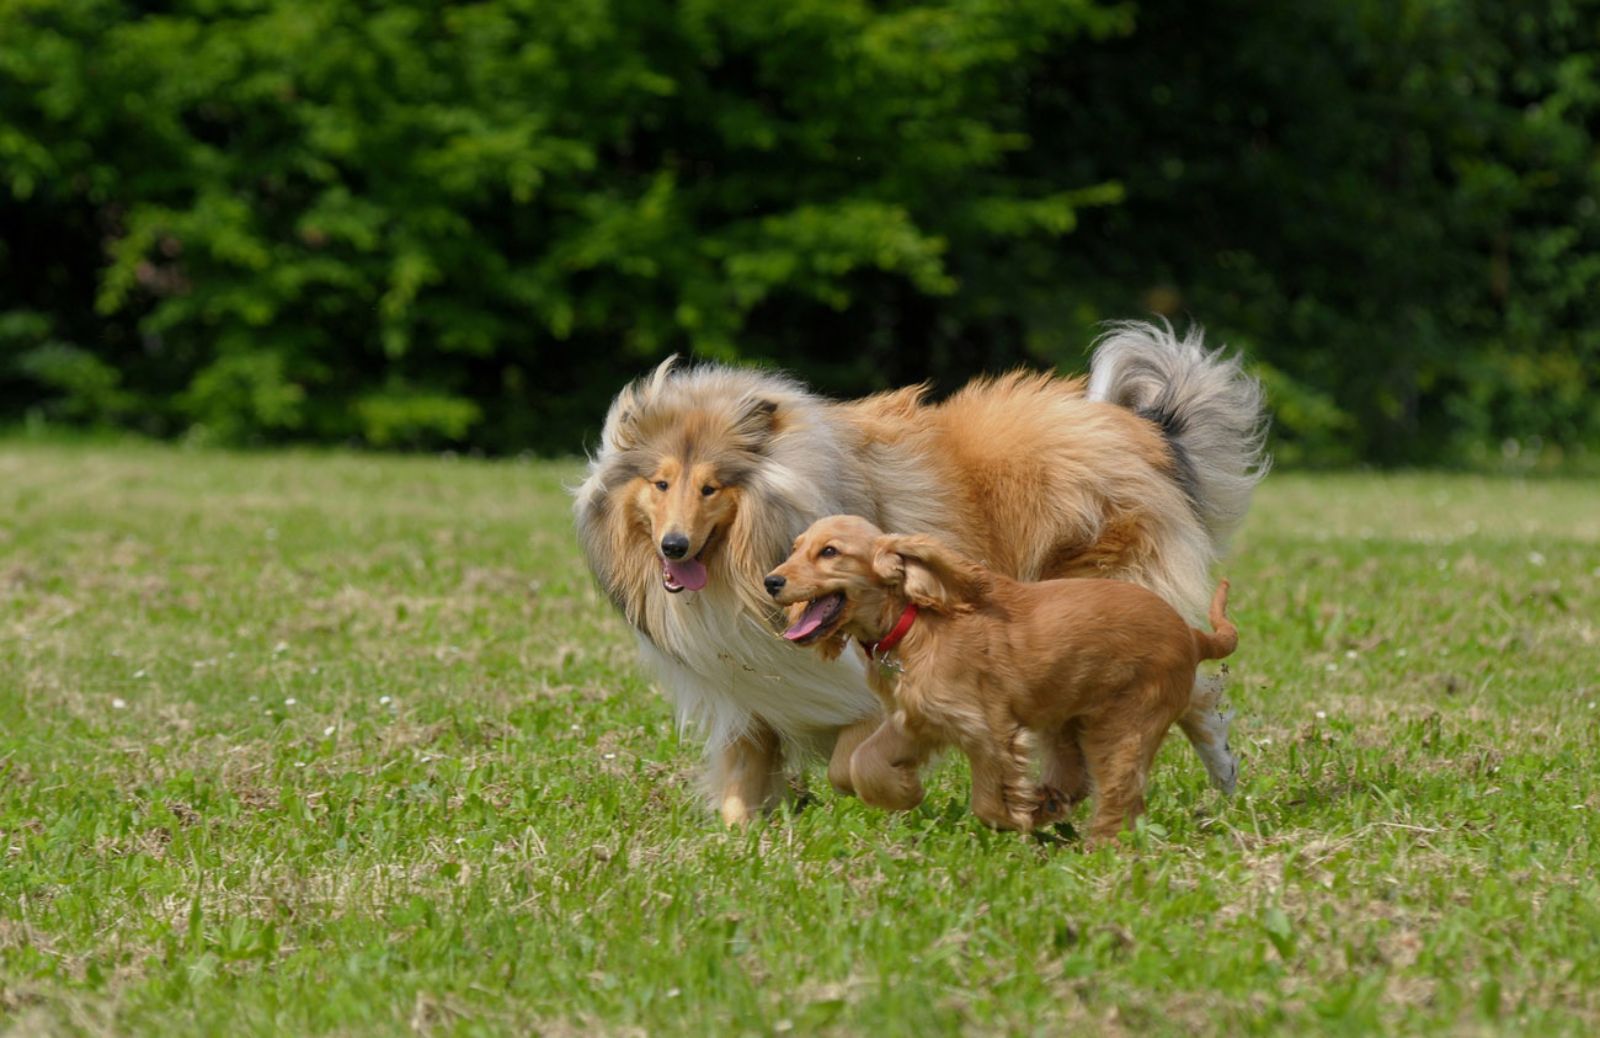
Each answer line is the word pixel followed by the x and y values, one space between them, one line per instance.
pixel 309 743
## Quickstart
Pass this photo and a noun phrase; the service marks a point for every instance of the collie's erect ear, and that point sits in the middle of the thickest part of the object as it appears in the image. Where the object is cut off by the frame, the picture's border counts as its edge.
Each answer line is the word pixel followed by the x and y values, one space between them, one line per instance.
pixel 621 428
pixel 756 424
pixel 932 575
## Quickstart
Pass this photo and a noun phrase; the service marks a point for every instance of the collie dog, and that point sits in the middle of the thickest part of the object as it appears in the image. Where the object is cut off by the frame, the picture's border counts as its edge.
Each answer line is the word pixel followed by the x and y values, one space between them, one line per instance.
pixel 1094 672
pixel 706 474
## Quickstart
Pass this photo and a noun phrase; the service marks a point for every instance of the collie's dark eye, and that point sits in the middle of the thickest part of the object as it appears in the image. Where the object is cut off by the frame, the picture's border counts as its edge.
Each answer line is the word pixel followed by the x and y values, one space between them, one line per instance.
pixel 661 484
pixel 828 552
pixel 707 490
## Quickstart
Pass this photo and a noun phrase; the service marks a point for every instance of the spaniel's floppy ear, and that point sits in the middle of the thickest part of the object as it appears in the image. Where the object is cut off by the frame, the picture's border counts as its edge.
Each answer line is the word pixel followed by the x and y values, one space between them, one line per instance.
pixel 887 565
pixel 932 575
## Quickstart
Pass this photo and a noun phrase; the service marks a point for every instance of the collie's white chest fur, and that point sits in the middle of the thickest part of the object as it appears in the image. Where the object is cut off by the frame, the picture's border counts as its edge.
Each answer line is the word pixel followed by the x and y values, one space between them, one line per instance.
pixel 729 668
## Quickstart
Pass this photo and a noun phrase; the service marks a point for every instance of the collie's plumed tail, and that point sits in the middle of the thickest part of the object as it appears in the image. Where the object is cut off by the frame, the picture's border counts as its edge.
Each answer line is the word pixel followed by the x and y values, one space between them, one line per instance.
pixel 1213 416
pixel 1210 409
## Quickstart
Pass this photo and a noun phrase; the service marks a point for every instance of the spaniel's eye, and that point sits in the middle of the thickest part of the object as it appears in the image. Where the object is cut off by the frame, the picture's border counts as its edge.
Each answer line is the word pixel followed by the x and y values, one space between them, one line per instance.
pixel 661 484
pixel 828 552
pixel 707 490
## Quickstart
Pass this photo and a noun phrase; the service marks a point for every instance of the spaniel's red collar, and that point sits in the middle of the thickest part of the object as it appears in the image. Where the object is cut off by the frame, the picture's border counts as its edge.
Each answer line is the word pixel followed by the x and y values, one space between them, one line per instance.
pixel 890 640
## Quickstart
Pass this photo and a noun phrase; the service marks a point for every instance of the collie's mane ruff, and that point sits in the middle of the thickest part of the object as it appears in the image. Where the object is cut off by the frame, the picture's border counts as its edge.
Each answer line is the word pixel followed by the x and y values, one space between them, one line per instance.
pixel 1211 410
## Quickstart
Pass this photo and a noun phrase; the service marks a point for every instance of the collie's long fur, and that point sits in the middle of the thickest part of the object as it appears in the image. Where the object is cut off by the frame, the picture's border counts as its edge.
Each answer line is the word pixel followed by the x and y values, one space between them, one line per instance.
pixel 1142 478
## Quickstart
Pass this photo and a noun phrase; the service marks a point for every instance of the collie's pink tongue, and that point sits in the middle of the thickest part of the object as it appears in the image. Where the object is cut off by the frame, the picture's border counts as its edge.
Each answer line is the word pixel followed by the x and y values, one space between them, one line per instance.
pixel 809 620
pixel 689 574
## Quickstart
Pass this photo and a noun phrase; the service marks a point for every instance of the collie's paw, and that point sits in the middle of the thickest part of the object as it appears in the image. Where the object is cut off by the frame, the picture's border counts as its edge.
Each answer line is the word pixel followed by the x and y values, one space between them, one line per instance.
pixel 735 811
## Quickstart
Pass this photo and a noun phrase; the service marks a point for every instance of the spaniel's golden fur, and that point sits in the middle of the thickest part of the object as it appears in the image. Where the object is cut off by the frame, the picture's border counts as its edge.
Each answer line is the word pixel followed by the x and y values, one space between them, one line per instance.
pixel 1095 670
pixel 1142 477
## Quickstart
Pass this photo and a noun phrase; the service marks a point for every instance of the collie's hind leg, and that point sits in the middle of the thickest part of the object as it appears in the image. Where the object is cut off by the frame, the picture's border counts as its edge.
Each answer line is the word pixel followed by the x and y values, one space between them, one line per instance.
pixel 1063 777
pixel 1205 724
pixel 747 774
pixel 844 747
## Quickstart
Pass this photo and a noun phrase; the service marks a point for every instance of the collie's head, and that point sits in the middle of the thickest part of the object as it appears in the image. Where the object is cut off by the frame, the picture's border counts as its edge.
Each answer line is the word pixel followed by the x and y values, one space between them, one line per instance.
pixel 703 476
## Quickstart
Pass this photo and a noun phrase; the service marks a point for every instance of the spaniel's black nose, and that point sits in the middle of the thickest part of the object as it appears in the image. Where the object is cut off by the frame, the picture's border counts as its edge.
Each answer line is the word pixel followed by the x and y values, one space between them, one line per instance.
pixel 774 584
pixel 674 545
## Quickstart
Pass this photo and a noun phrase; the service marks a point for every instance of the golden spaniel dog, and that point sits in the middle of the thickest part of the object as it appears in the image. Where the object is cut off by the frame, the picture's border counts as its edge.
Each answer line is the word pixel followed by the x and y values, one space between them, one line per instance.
pixel 1096 670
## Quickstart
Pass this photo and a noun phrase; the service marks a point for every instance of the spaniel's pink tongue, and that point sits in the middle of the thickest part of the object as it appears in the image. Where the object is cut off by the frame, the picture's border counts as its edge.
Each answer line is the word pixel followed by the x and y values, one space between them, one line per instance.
pixel 809 620
pixel 688 573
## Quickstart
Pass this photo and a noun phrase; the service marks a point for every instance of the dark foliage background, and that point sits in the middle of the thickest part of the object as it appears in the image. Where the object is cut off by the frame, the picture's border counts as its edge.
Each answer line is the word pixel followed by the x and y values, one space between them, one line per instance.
pixel 421 225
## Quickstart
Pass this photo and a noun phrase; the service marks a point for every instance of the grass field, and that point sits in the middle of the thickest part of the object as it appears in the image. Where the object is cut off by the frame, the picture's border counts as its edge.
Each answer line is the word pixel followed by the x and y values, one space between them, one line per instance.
pixel 332 744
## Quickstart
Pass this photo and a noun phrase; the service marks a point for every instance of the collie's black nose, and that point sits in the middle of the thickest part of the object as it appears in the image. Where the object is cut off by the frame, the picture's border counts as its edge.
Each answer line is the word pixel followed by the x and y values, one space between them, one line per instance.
pixel 674 545
pixel 774 584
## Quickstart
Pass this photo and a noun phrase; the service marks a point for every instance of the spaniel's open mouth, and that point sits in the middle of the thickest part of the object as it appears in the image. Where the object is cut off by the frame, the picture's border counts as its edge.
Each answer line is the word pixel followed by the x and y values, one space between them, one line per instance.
pixel 819 616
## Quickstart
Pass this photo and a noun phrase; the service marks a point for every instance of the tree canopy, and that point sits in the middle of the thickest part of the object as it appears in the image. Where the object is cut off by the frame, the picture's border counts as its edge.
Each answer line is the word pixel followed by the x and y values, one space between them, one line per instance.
pixel 415 224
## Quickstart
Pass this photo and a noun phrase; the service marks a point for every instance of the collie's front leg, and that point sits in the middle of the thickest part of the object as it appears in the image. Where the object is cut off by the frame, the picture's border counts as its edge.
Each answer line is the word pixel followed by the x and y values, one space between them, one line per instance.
pixel 747 774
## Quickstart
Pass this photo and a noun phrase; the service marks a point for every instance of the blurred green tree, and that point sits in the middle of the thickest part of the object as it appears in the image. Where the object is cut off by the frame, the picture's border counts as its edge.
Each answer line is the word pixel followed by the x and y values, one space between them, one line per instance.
pixel 1391 206
pixel 413 224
